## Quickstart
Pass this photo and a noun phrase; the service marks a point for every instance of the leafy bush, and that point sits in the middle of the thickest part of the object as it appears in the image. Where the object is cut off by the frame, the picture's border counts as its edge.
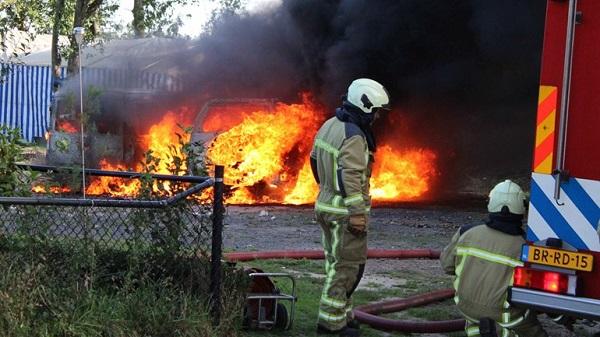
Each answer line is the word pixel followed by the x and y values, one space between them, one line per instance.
pixel 14 181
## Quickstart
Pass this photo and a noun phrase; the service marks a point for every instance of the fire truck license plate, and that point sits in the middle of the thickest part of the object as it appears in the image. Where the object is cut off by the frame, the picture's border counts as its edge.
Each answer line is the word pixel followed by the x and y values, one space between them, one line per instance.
pixel 557 258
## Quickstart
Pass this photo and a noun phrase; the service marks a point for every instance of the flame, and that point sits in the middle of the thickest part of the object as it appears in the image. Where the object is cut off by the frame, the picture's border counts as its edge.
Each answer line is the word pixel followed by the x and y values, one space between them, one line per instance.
pixel 306 188
pixel 222 120
pixel 261 150
pixel 265 151
pixel 397 176
pixel 161 140
pixel 402 175
pixel 66 126
pixel 50 189
pixel 111 185
pixel 256 153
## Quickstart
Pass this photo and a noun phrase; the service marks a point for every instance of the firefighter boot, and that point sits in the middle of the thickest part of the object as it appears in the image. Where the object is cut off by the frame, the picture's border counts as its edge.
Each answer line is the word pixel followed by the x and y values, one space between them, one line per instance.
pixel 487 327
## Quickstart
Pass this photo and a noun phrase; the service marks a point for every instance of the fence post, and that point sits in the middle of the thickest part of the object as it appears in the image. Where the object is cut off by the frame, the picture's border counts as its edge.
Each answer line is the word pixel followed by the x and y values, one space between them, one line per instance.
pixel 217 246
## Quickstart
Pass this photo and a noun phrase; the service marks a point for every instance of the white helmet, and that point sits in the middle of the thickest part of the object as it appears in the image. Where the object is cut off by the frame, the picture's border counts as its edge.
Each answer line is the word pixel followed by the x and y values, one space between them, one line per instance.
pixel 367 95
pixel 507 194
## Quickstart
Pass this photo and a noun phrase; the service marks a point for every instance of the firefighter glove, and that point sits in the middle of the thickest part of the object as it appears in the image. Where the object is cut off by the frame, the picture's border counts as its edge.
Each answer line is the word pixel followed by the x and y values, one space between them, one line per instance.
pixel 357 224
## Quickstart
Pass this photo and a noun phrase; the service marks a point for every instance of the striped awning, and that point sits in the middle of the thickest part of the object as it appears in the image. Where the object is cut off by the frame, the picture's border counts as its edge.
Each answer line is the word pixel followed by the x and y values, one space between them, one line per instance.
pixel 25 96
pixel 26 92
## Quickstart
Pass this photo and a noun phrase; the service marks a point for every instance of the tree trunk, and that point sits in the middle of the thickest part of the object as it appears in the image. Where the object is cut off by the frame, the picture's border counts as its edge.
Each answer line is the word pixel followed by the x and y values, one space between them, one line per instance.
pixel 138 18
pixel 80 16
pixel 56 58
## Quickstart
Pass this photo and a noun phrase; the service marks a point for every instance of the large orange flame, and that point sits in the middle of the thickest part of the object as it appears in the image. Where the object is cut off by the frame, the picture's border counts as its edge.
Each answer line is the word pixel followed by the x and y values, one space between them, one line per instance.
pixel 397 176
pixel 264 149
pixel 400 175
pixel 162 140
pixel 113 186
pixel 265 153
pixel 306 188
pixel 256 154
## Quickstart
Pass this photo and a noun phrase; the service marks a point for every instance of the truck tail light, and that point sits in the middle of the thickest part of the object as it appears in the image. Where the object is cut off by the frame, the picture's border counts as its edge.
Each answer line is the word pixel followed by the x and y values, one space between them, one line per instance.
pixel 543 280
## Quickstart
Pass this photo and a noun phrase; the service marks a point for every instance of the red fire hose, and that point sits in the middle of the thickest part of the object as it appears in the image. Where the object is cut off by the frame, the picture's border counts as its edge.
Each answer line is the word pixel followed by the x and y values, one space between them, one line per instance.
pixel 367 314
pixel 318 254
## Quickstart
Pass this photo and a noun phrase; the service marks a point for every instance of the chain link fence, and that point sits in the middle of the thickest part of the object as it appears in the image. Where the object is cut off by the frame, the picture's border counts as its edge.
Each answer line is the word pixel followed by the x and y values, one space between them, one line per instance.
pixel 178 235
pixel 177 223
pixel 185 225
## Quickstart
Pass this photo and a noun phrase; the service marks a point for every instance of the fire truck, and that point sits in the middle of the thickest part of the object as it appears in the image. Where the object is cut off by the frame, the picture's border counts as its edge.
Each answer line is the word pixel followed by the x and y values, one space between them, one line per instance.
pixel 561 259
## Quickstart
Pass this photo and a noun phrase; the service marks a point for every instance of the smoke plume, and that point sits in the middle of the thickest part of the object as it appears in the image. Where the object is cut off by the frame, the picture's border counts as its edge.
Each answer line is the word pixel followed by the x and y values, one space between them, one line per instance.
pixel 462 74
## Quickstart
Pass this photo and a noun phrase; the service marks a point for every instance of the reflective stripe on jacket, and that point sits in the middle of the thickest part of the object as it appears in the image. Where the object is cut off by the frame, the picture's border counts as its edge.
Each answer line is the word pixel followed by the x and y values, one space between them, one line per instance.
pixel 343 164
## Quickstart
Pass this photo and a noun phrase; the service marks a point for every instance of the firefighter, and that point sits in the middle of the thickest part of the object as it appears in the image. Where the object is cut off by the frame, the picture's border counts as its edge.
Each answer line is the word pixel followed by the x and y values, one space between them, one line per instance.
pixel 341 161
pixel 483 258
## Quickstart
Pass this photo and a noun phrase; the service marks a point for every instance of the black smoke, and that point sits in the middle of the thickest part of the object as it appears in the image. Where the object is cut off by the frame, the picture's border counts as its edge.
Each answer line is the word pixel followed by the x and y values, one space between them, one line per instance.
pixel 462 74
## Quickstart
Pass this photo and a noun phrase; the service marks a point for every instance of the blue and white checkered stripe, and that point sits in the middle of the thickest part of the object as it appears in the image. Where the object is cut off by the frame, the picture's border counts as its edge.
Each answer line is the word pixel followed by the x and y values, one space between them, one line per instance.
pixel 575 221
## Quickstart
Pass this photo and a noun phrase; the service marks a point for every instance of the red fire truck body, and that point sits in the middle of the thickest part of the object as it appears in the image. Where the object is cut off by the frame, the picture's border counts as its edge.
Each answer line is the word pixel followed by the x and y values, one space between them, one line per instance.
pixel 561 262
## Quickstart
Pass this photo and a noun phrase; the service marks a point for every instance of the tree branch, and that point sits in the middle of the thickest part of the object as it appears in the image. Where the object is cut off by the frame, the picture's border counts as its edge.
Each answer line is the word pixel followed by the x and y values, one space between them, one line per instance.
pixel 93 7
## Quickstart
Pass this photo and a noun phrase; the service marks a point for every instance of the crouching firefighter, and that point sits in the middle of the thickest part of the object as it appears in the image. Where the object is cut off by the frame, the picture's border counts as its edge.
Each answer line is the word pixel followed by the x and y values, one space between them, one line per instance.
pixel 341 161
pixel 483 258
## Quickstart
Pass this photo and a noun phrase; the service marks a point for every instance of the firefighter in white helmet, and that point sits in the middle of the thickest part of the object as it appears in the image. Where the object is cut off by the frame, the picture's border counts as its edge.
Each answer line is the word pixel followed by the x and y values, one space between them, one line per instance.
pixel 483 258
pixel 341 160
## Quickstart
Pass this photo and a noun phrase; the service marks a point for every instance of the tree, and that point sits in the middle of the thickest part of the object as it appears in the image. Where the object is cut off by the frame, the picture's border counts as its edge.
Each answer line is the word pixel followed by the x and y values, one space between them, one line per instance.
pixel 225 9
pixel 157 17
pixel 84 11
pixel 138 18
pixel 14 23
pixel 59 9
pixel 24 15
pixel 230 7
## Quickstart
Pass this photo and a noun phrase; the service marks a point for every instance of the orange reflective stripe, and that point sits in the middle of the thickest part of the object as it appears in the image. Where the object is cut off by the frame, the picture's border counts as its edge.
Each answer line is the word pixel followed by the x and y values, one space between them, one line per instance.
pixel 544 138
pixel 544 150
pixel 546 102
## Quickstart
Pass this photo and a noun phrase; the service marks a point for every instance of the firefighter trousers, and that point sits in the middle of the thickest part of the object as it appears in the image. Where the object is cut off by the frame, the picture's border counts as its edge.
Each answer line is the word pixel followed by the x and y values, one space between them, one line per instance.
pixel 345 258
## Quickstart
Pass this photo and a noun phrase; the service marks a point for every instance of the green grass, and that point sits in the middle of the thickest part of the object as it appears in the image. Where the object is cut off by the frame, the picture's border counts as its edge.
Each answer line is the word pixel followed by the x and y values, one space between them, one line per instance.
pixel 44 293
pixel 309 291
pixel 59 290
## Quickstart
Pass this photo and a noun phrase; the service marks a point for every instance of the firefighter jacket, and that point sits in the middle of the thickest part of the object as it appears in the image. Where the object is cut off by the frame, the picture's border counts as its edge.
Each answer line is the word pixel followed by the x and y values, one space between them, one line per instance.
pixel 341 161
pixel 483 260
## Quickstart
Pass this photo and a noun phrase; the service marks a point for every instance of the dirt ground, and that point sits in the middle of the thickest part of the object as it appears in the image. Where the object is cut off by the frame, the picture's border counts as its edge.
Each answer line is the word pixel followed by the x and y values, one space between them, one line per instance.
pixel 260 228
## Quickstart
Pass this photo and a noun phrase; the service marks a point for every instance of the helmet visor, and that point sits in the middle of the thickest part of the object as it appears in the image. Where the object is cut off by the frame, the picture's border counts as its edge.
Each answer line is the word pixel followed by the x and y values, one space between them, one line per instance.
pixel 385 107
